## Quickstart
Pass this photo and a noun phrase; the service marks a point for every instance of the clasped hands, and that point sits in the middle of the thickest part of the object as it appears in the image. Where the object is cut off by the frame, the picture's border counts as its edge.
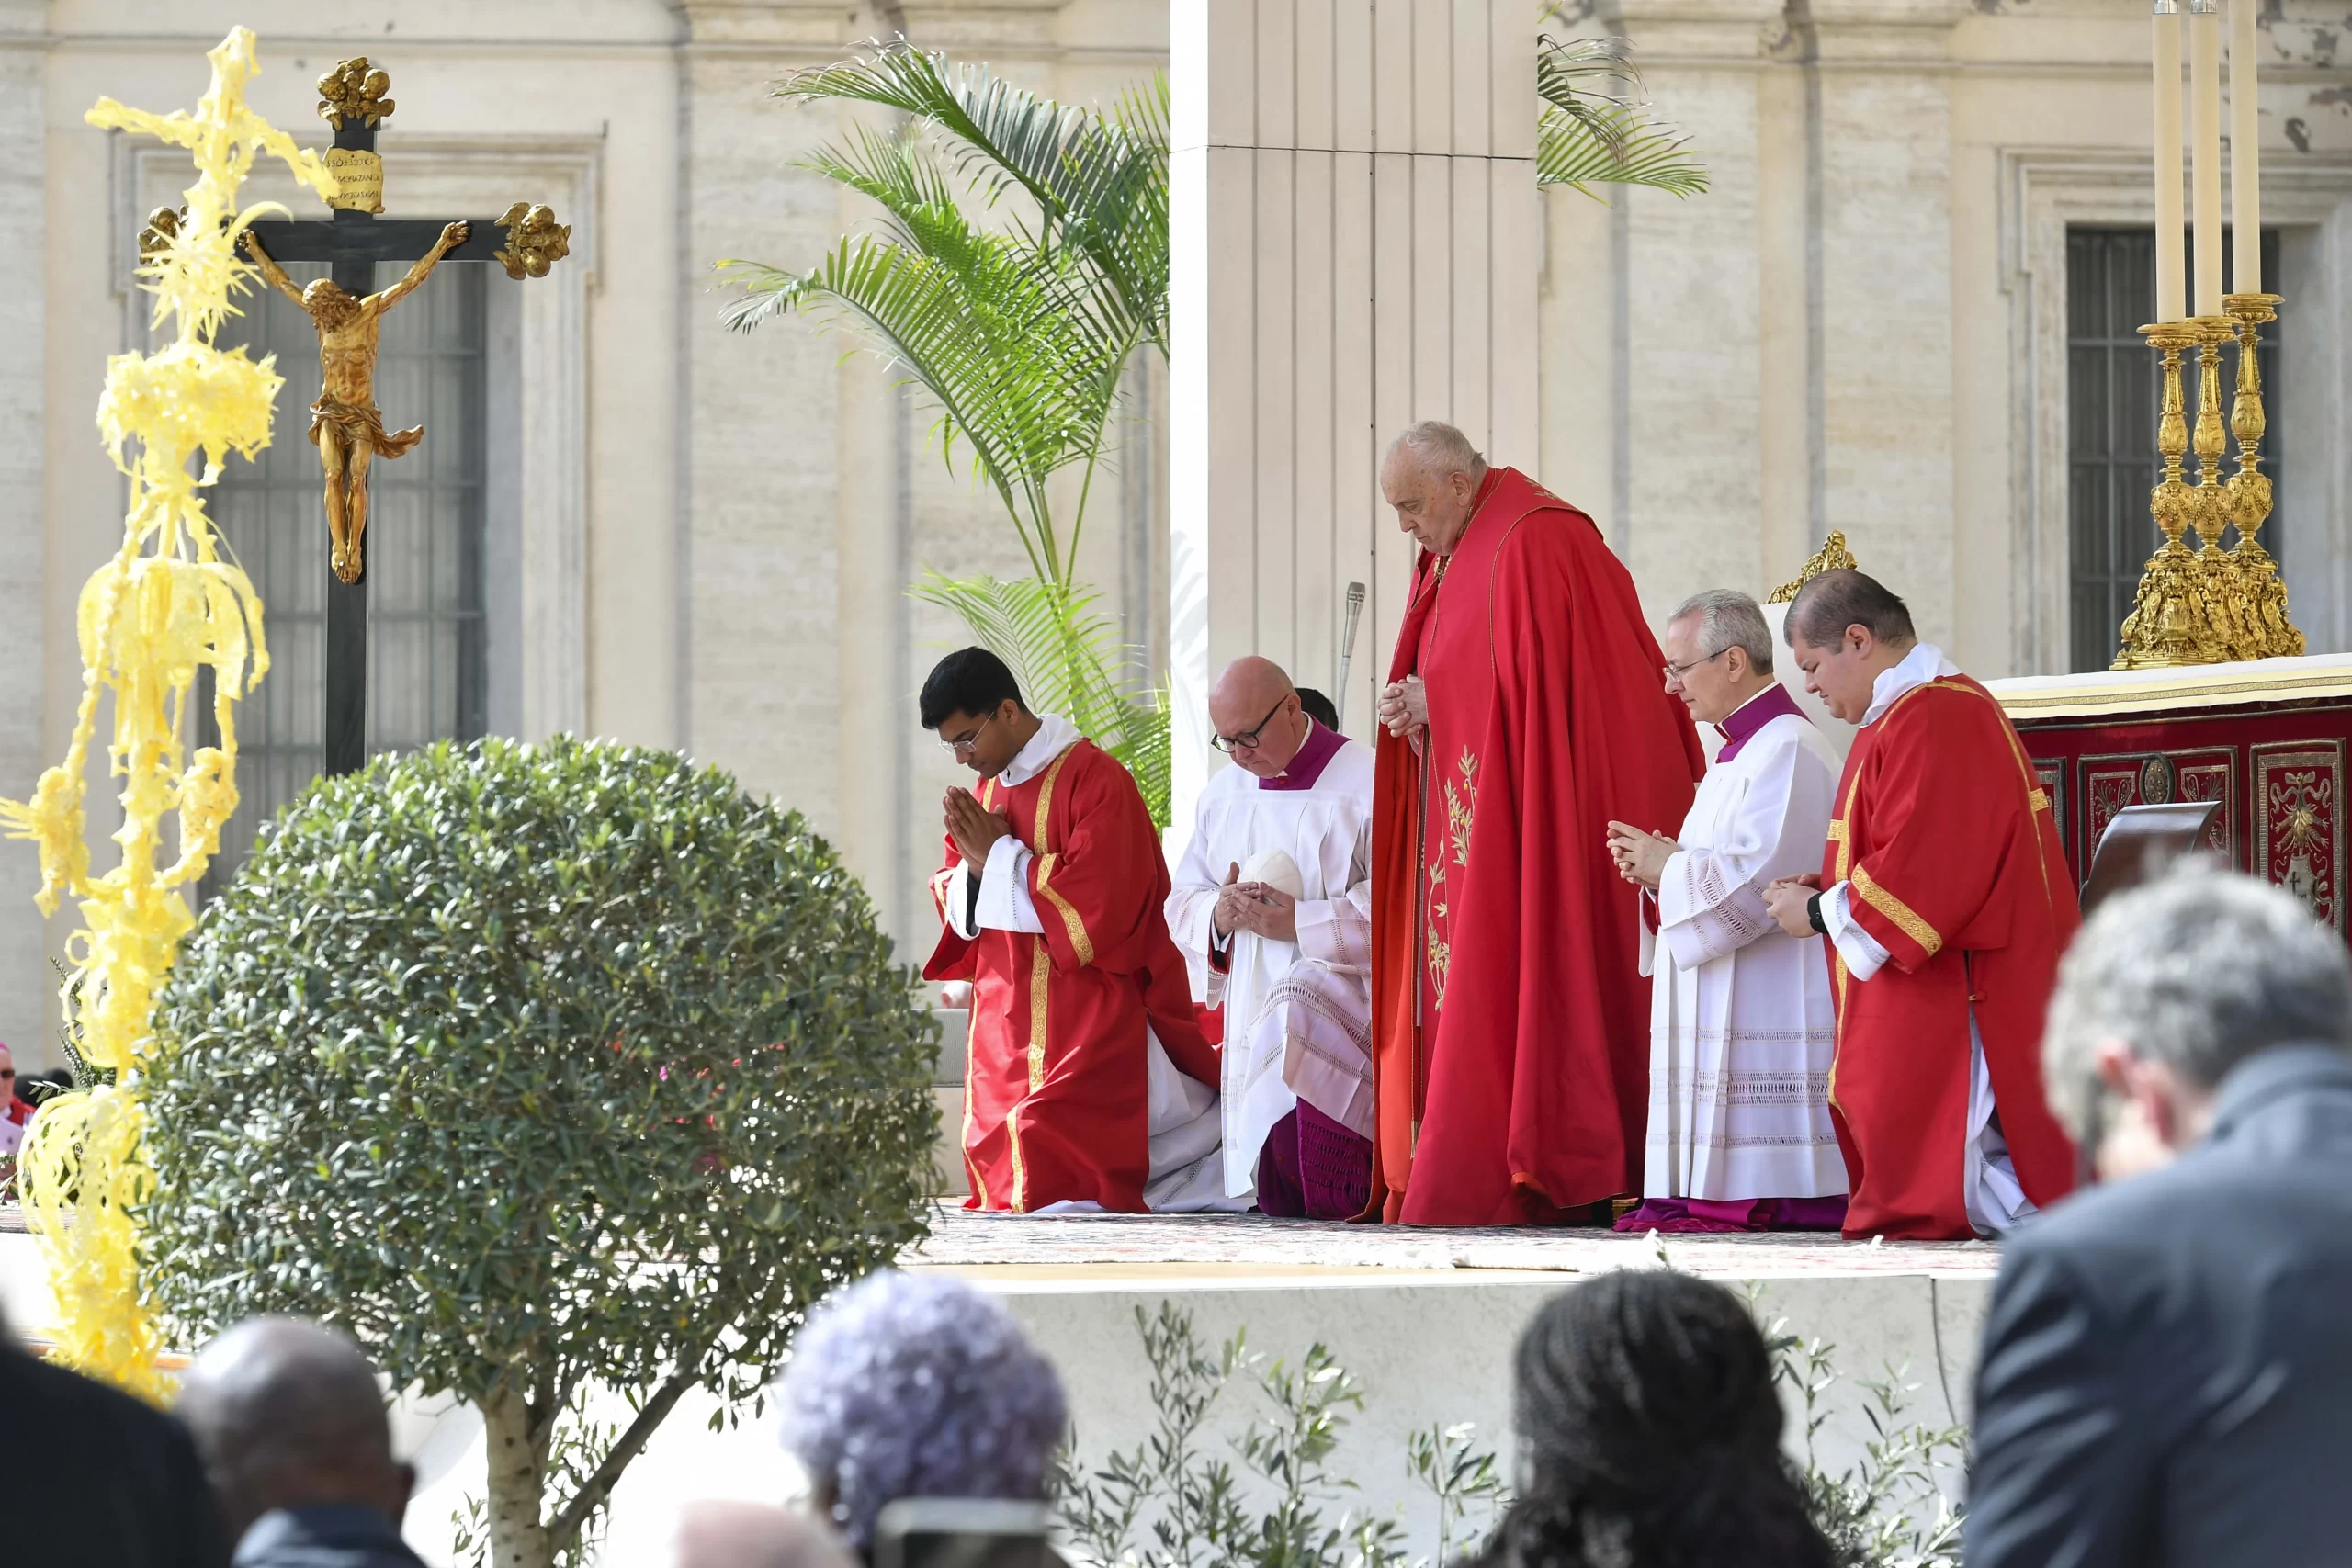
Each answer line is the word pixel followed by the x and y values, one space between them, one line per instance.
pixel 973 826
pixel 1255 908
pixel 1640 857
pixel 1404 709
pixel 1786 901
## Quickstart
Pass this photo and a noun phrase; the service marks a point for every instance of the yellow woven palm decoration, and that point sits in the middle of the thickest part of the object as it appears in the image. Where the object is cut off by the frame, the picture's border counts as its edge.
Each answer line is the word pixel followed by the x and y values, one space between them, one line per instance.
pixel 164 607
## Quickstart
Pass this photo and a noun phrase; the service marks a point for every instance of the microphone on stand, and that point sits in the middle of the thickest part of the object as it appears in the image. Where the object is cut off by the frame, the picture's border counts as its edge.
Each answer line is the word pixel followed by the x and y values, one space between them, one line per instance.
pixel 1348 641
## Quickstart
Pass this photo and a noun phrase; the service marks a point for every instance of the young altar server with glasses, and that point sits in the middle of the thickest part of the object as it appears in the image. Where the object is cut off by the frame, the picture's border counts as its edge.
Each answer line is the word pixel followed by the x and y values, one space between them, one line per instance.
pixel 1742 1026
pixel 1087 1083
pixel 1272 908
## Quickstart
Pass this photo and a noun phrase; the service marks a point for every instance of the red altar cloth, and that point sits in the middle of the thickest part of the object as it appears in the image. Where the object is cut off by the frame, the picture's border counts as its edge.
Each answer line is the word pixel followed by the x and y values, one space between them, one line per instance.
pixel 2267 739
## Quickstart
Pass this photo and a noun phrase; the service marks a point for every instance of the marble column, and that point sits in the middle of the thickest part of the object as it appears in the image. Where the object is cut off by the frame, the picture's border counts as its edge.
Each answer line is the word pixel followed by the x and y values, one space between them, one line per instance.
pixel 26 982
pixel 1355 235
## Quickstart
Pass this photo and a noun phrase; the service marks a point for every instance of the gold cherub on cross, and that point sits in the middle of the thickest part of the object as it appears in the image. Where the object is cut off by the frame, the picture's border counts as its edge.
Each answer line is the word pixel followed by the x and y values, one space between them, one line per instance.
pixel 345 425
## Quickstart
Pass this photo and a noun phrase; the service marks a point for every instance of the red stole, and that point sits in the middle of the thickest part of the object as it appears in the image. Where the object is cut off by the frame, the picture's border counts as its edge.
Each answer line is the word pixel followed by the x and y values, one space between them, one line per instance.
pixel 1523 1088
pixel 1945 837
pixel 1056 1101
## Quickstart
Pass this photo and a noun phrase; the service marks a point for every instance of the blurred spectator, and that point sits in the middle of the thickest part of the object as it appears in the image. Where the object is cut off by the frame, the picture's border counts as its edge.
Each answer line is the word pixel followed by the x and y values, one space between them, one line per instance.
pixel 1650 1436
pixel 101 1481
pixel 2166 1375
pixel 753 1535
pixel 292 1425
pixel 909 1386
pixel 14 1111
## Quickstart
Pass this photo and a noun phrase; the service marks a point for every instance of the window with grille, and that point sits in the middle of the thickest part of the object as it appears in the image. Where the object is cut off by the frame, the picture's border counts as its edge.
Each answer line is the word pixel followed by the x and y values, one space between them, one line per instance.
pixel 2111 395
pixel 427 676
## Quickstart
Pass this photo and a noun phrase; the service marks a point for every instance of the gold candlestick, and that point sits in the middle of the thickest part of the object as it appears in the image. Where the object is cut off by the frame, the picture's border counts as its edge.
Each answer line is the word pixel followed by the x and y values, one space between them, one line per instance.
pixel 2209 511
pixel 2168 623
pixel 2263 596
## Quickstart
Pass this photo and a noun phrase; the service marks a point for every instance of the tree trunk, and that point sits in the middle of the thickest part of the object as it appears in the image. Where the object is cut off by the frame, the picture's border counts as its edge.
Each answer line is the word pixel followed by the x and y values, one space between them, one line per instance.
pixel 518 1465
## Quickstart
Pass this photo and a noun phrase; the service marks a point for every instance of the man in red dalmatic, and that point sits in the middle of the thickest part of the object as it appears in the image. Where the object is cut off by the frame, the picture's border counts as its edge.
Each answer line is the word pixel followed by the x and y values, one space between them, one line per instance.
pixel 1086 1082
pixel 1524 711
pixel 1946 904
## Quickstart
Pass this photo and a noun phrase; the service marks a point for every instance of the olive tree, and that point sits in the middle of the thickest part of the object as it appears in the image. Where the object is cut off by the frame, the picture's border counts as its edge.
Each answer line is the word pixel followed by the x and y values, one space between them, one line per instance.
pixel 536 1067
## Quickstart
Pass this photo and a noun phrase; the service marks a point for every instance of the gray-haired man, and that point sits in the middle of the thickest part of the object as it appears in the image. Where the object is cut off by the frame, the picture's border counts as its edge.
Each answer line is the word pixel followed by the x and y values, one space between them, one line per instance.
pixel 2167 1373
pixel 1742 1026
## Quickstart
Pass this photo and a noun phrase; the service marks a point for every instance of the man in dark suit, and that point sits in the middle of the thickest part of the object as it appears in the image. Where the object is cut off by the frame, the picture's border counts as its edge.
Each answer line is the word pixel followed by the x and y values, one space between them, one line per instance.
pixel 2167 1366
pixel 100 1479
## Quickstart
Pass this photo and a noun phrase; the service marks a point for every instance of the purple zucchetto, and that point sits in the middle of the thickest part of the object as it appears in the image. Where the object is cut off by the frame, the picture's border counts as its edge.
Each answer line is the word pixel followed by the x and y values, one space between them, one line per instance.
pixel 909 1385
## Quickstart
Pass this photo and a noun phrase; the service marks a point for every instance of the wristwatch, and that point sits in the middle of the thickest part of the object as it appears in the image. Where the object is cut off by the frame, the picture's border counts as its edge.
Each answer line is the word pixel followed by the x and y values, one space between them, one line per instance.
pixel 1813 915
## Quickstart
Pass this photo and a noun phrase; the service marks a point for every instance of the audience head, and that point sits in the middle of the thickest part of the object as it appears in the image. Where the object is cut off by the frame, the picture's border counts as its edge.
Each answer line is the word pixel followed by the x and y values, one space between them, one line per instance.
pixel 7 1074
pixel 972 702
pixel 1431 476
pixel 1651 1434
pixel 1844 628
pixel 287 1415
pixel 909 1386
pixel 1258 718
pixel 2167 987
pixel 1318 707
pixel 1718 653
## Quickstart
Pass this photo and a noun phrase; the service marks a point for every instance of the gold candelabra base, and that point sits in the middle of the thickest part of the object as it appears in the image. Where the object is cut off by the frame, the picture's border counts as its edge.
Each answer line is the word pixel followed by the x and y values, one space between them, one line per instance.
pixel 2210 605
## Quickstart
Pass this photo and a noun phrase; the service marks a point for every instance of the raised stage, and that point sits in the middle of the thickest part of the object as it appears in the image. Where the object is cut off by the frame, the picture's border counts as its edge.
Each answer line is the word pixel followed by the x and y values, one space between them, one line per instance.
pixel 1425 1320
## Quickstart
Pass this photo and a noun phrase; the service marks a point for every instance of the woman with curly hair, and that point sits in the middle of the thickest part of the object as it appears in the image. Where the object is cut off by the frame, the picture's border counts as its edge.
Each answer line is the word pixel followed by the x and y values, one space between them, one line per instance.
pixel 1651 1436
pixel 909 1385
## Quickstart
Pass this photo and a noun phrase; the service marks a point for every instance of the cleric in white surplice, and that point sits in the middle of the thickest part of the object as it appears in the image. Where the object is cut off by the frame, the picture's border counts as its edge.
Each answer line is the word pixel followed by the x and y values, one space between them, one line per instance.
pixel 1742 1029
pixel 1273 908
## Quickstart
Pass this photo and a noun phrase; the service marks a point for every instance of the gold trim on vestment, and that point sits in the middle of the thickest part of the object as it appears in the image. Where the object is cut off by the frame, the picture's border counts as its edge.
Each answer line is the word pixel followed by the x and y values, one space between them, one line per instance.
pixel 1895 910
pixel 1076 926
pixel 1020 1171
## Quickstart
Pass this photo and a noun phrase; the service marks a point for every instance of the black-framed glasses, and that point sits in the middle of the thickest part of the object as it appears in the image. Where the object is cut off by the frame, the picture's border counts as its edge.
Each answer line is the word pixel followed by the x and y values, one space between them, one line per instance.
pixel 959 747
pixel 1228 744
pixel 1676 672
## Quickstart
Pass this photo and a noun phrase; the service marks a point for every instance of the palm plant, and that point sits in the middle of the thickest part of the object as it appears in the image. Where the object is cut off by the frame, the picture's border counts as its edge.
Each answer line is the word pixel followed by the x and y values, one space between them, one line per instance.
pixel 1020 332
pixel 1588 135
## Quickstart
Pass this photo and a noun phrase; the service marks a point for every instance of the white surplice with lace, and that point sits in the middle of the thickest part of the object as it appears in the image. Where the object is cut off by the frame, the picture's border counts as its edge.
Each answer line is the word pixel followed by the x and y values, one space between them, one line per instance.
pixel 1742 1025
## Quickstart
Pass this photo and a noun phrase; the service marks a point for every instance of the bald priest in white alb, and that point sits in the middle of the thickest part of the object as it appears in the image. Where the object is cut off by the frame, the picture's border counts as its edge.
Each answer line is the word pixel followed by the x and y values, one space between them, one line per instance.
pixel 1273 908
pixel 1742 1026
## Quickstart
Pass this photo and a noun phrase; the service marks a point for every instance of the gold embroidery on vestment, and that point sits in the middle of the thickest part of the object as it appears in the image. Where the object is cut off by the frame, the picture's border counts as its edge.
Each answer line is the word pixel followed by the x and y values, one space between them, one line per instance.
pixel 1895 910
pixel 1461 810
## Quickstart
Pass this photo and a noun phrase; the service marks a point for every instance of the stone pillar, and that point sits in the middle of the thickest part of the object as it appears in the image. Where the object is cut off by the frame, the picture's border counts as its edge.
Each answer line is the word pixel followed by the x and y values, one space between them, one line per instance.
pixel 1355 236
pixel 26 982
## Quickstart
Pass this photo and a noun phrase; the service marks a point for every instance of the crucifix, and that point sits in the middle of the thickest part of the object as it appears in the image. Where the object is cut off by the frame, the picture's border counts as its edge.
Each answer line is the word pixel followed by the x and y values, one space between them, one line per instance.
pixel 345 422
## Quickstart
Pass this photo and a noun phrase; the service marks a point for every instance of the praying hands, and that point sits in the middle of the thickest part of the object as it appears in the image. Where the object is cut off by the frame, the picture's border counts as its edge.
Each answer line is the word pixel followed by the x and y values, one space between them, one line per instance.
pixel 973 826
pixel 1640 857
pixel 1255 908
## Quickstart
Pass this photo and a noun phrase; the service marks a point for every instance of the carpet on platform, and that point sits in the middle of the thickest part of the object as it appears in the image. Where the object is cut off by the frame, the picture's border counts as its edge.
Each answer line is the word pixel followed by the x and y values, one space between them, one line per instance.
pixel 962 1238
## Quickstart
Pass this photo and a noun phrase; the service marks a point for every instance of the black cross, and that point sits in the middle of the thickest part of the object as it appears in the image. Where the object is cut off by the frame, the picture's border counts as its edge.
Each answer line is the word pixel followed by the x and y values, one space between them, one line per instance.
pixel 352 244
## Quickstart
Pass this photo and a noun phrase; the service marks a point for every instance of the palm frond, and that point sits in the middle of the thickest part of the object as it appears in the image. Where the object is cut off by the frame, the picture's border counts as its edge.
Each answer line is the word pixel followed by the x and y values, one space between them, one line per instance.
pixel 1596 127
pixel 1628 149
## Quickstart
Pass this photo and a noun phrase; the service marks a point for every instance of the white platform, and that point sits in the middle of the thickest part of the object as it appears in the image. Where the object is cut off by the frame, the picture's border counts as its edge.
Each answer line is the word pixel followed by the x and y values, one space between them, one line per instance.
pixel 1425 1320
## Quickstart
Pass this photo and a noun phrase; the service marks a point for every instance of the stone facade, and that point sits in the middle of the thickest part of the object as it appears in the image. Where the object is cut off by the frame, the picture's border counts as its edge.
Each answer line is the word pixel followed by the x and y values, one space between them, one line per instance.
pixel 1862 327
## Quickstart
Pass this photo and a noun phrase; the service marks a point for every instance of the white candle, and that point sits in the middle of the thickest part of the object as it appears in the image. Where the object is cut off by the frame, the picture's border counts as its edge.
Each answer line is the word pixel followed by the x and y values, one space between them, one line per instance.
pixel 2205 136
pixel 2245 158
pixel 2172 293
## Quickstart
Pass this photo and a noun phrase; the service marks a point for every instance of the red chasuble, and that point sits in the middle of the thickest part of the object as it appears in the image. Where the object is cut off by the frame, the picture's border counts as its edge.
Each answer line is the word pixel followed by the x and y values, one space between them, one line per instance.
pixel 1945 836
pixel 1056 1097
pixel 1519 1087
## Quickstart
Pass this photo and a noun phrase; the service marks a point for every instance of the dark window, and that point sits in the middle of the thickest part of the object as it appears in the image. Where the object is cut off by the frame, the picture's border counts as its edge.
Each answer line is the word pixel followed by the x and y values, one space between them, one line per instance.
pixel 2111 389
pixel 426 675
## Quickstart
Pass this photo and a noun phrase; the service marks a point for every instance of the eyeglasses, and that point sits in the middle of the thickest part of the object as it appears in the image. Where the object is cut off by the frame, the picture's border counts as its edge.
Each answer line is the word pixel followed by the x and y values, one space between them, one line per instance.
pixel 1674 672
pixel 1228 744
pixel 963 747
